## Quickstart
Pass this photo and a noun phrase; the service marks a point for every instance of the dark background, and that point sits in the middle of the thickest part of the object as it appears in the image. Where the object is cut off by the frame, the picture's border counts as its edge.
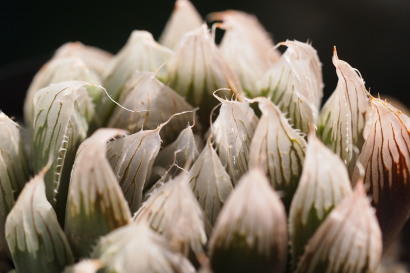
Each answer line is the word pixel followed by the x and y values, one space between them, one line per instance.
pixel 372 35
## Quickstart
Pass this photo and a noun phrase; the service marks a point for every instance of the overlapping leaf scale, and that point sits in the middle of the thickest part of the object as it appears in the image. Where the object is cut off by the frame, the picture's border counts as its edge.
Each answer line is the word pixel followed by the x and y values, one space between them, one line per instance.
pixel 295 84
pixel 152 103
pixel 197 69
pixel 95 58
pixel 250 233
pixel 210 182
pixel 232 134
pixel 55 71
pixel 136 248
pixel 141 53
pixel 342 118
pixel 385 158
pixel 132 158
pixel 36 241
pixel 63 112
pixel 349 240
pixel 184 18
pixel 323 184
pixel 179 154
pixel 278 149
pixel 95 203
pixel 173 211
pixel 14 171
pixel 246 46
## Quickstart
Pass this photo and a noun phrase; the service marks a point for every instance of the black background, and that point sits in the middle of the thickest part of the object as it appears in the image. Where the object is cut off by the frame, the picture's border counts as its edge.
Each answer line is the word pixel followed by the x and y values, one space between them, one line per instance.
pixel 372 35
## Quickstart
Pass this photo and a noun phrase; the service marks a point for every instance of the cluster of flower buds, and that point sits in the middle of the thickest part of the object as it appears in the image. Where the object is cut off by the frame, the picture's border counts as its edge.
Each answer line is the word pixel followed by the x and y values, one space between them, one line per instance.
pixel 184 156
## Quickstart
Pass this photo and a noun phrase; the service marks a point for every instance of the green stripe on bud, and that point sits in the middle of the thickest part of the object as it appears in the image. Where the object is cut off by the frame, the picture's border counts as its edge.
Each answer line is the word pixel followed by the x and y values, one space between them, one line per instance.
pixel 173 211
pixel 342 119
pixel 36 241
pixel 278 149
pixel 323 184
pixel 250 234
pixel 349 240
pixel 95 203
pixel 13 171
pixel 294 83
pixel 63 112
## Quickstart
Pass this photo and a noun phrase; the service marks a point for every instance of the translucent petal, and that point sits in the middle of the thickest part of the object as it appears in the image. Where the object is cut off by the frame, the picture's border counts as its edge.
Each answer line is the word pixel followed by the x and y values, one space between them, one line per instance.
pixel 95 58
pixel 198 69
pixel 63 112
pixel 154 103
pixel 14 170
pixel 246 46
pixel 385 158
pixel 141 53
pixel 323 184
pixel 184 18
pixel 342 118
pixel 349 240
pixel 55 71
pixel 95 203
pixel 210 182
pixel 278 149
pixel 132 158
pixel 34 236
pixel 250 233
pixel 173 211
pixel 232 134
pixel 295 84
pixel 136 248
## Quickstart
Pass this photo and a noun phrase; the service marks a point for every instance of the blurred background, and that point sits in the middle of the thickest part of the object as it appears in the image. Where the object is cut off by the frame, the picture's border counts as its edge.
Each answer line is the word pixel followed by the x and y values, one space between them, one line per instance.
pixel 372 35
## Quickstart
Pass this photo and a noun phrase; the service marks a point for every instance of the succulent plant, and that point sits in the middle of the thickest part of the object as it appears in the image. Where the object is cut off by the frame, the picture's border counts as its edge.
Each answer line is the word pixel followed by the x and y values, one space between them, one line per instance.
pixel 185 155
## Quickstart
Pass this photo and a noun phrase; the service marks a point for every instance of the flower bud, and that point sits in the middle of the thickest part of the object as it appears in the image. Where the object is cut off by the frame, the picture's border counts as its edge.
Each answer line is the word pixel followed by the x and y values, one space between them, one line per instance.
pixel 13 171
pixel 278 149
pixel 95 58
pixel 232 134
pixel 210 182
pixel 95 203
pixel 323 184
pixel 184 18
pixel 135 248
pixel 132 158
pixel 182 152
pixel 246 46
pixel 198 69
pixel 295 84
pixel 62 112
pixel 36 241
pixel 349 240
pixel 385 158
pixel 141 53
pixel 55 71
pixel 342 118
pixel 250 233
pixel 152 103
pixel 173 211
